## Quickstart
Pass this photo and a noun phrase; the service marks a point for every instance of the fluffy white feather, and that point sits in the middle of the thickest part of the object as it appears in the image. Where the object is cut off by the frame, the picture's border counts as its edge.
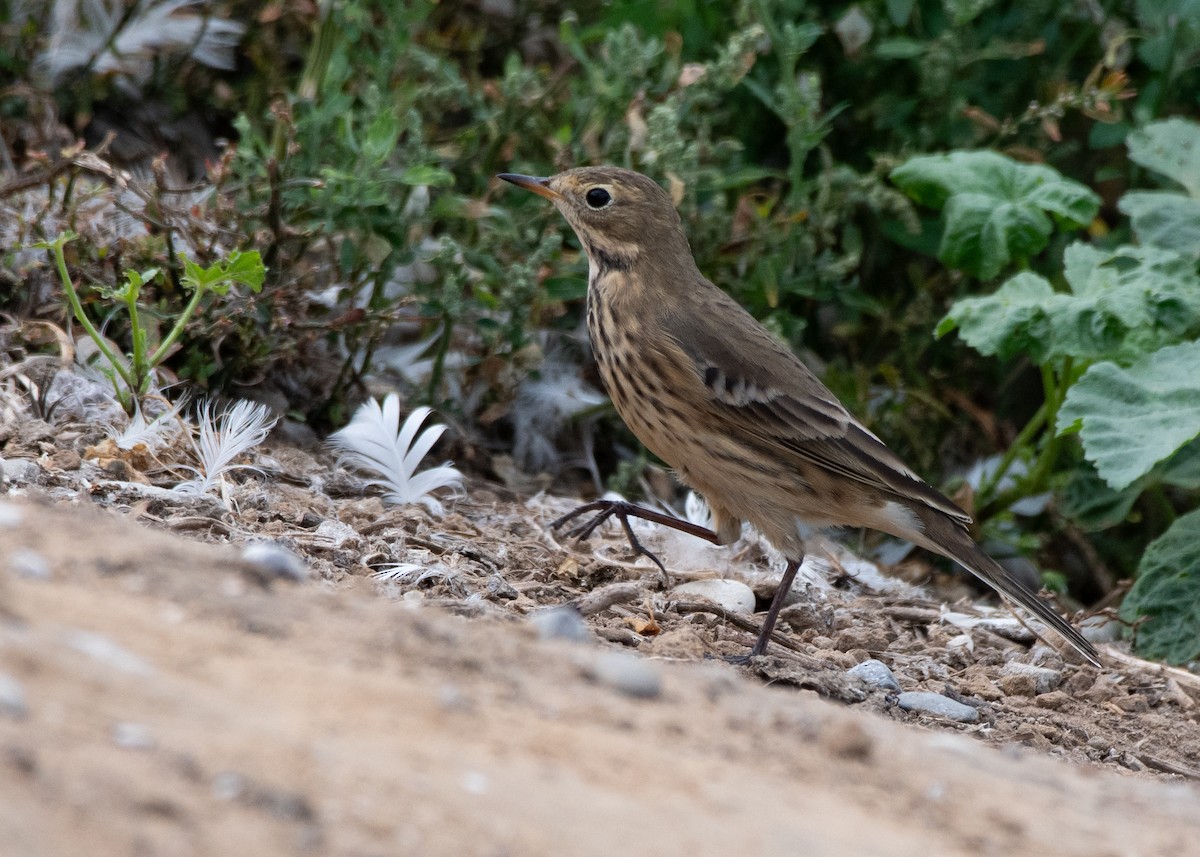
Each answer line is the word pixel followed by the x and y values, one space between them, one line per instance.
pixel 375 441
pixel 223 438
pixel 153 434
pixel 99 36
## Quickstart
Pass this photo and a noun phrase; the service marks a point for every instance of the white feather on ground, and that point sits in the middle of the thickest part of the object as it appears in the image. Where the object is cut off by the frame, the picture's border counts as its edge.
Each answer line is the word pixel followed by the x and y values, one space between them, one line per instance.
pixel 375 441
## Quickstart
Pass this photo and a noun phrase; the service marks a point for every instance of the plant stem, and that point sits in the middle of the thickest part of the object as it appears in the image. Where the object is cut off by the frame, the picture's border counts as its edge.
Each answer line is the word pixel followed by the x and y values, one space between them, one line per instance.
pixel 141 371
pixel 60 260
pixel 164 347
pixel 1020 443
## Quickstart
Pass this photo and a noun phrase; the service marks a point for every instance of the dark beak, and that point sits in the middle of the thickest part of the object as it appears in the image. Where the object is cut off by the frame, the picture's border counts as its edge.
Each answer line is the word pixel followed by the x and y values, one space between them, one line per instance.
pixel 536 184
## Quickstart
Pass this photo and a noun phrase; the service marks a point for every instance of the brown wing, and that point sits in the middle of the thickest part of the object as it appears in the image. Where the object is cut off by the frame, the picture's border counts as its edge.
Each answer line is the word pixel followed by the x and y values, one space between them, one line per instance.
pixel 757 385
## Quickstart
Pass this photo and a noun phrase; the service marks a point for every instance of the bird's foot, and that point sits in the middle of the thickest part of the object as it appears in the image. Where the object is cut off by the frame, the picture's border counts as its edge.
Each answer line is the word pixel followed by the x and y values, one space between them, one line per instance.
pixel 621 510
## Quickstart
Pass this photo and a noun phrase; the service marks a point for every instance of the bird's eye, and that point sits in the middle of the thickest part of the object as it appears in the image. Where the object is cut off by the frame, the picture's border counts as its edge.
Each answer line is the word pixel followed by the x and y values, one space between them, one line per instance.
pixel 598 197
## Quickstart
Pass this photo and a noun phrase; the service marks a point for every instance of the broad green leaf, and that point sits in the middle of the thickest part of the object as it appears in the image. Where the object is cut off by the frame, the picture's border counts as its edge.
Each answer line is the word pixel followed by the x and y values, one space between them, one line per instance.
pixel 1183 468
pixel 1008 322
pixel 995 210
pixel 1091 504
pixel 1167 591
pixel 1123 303
pixel 1134 417
pixel 427 175
pixel 1169 220
pixel 1171 148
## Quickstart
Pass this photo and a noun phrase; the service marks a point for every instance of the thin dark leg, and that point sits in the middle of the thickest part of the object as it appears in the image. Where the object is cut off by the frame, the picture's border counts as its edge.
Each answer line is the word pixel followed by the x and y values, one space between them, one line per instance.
pixel 785 586
pixel 606 509
pixel 622 511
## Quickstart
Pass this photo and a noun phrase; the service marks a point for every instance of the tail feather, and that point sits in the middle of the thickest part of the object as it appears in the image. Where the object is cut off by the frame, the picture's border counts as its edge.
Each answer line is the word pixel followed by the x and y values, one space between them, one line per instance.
pixel 951 540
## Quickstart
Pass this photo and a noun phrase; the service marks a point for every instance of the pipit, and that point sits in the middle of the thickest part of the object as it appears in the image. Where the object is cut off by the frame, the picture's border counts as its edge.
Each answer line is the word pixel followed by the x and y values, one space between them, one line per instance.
pixel 727 405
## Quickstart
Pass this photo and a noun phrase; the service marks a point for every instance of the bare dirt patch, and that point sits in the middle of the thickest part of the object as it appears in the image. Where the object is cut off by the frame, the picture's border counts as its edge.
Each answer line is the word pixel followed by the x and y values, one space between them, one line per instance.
pixel 161 695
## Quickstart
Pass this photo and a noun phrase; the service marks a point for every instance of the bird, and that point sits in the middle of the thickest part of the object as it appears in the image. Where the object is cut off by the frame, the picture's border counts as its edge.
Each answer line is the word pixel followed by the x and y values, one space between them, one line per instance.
pixel 735 413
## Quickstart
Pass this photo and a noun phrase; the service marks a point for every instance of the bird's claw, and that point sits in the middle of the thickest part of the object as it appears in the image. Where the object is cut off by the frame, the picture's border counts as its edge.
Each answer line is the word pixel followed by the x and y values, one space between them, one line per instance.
pixel 605 509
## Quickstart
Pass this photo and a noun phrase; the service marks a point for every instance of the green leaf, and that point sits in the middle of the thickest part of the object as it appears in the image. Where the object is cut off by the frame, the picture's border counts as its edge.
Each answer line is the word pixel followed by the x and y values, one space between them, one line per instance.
pixel 245 268
pixel 899 49
pixel 424 174
pixel 1183 468
pixel 995 210
pixel 1091 504
pixel 1169 220
pixel 1167 591
pixel 1013 320
pixel 1134 417
pixel 1123 303
pixel 1171 148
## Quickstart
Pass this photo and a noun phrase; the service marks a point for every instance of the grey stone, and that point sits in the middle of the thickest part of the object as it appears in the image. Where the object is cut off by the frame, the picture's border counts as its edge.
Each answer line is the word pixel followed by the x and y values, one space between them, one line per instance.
pixel 924 702
pixel 627 673
pixel 133 736
pixel 876 674
pixel 20 470
pixel 12 698
pixel 1044 678
pixel 275 560
pixel 561 623
pixel 29 563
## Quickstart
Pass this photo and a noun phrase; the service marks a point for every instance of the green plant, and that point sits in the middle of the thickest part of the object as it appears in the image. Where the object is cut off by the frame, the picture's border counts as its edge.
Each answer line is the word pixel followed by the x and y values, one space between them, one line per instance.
pixel 1117 350
pixel 133 374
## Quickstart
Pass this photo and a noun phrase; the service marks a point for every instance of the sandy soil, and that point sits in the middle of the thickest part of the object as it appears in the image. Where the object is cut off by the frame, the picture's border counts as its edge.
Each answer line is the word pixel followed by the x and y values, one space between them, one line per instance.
pixel 161 695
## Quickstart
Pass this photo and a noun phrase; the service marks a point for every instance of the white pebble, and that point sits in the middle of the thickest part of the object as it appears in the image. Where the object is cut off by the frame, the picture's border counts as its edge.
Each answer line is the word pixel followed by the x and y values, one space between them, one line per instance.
pixel 731 595
pixel 102 649
pixel 561 623
pixel 132 736
pixel 924 702
pixel 29 563
pixel 19 470
pixel 876 674
pixel 275 560
pixel 10 515
pixel 12 698
pixel 627 673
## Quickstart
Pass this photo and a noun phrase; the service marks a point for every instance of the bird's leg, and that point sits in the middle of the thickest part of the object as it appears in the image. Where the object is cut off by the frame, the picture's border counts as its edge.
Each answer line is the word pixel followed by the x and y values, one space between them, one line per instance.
pixel 785 586
pixel 622 510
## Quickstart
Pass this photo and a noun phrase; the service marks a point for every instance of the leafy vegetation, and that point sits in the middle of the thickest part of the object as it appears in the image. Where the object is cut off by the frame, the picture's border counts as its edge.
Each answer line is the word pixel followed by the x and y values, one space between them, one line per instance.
pixel 857 175
pixel 133 375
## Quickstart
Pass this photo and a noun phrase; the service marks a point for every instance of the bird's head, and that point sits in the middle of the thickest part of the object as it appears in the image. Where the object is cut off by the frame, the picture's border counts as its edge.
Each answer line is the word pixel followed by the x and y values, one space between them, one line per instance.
pixel 615 212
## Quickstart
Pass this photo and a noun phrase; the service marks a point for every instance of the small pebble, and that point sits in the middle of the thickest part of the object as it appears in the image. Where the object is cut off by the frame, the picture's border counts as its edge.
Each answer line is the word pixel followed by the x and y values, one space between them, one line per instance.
pixel 924 702
pixel 65 459
pixel 476 783
pixel 561 623
pixel 627 673
pixel 29 563
pixel 1101 629
pixel 876 674
pixel 1053 700
pixel 10 515
pixel 275 560
pixel 19 470
pixel 731 595
pixel 102 649
pixel 228 785
pixel 1018 685
pixel 12 698
pixel 1044 678
pixel 132 736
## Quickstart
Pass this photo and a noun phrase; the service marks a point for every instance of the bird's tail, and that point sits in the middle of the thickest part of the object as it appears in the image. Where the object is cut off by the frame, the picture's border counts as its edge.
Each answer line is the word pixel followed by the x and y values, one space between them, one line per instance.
pixel 951 540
